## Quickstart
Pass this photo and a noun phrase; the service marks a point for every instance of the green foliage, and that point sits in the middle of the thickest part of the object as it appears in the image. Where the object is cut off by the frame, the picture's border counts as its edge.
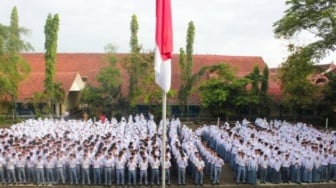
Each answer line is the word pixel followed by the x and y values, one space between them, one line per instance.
pixel 189 49
pixel 316 17
pixel 221 93
pixel 297 89
pixel 109 77
pixel 186 63
pixel 108 93
pixel 329 98
pixel 134 44
pixel 255 78
pixel 264 81
pixel 13 68
pixel 92 97
pixel 50 46
pixel 265 98
pixel 135 65
pixel 258 98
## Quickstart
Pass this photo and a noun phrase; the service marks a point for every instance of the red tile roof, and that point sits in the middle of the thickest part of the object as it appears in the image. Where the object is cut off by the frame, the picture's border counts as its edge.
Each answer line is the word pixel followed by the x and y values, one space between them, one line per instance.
pixel 35 83
pixel 89 64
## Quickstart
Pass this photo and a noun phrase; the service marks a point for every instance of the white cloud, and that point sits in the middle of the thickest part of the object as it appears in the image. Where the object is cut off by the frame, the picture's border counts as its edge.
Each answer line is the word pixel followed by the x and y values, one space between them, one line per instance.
pixel 230 27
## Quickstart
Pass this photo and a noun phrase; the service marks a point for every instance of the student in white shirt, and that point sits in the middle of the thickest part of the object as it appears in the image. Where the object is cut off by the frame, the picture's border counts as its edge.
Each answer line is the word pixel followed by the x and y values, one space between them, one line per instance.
pixel 263 166
pixel 219 163
pixel 241 161
pixel 182 164
pixel 30 168
pixel 131 166
pixel 2 167
pixel 324 168
pixel 20 168
pixel 120 169
pixel 60 166
pixel 167 169
pixel 50 165
pixel 199 166
pixel 108 170
pixel 285 164
pixel 155 164
pixel 40 171
pixel 86 162
pixel 96 164
pixel 143 165
pixel 73 169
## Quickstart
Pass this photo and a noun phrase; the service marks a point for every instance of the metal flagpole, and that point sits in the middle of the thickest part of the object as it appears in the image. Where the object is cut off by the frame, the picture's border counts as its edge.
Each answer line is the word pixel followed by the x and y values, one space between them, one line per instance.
pixel 163 151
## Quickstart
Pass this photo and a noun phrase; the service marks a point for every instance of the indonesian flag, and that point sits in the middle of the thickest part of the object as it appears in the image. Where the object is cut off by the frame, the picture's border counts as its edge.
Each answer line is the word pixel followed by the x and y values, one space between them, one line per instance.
pixel 164 44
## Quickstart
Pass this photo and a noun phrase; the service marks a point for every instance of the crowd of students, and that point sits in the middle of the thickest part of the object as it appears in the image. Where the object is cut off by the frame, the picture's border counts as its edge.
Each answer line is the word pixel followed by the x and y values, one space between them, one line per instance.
pixel 125 152
pixel 275 151
pixel 129 152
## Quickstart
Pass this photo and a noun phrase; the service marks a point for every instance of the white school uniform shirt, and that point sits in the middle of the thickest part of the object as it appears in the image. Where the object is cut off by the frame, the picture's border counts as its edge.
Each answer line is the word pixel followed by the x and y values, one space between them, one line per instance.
pixel 241 161
pixel 11 164
pixel 120 163
pixel 277 165
pixel 109 162
pixel 40 164
pixel 325 161
pixel 332 159
pixel 21 163
pixel 72 163
pixel 219 162
pixel 2 162
pixel 60 163
pixel 96 162
pixel 49 164
pixel 155 163
pixel 263 163
pixel 31 162
pixel 317 163
pixel 86 163
pixel 131 165
pixel 199 164
pixel 308 164
pixel 143 164
pixel 167 164
pixel 285 162
pixel 182 162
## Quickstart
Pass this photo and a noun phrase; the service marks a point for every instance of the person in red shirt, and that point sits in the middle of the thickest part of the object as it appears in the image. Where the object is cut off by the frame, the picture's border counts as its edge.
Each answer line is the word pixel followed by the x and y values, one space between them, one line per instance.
pixel 102 117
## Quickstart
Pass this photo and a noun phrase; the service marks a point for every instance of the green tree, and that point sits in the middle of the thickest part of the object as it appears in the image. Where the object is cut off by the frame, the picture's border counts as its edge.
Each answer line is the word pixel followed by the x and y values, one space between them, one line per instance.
pixel 329 98
pixel 222 93
pixel 50 46
pixel 106 96
pixel 187 79
pixel 134 63
pixel 265 99
pixel 315 17
pixel 92 100
pixel 13 68
pixel 254 97
pixel 298 91
pixel 109 78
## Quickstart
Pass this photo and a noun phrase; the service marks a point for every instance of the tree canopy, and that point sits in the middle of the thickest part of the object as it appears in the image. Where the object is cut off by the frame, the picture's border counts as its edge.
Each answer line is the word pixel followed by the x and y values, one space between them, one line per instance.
pixel 50 46
pixel 13 68
pixel 223 92
pixel 317 18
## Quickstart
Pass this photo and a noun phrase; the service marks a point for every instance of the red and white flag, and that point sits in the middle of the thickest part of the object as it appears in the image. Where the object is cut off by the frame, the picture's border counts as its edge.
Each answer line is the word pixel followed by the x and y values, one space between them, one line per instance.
pixel 164 44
